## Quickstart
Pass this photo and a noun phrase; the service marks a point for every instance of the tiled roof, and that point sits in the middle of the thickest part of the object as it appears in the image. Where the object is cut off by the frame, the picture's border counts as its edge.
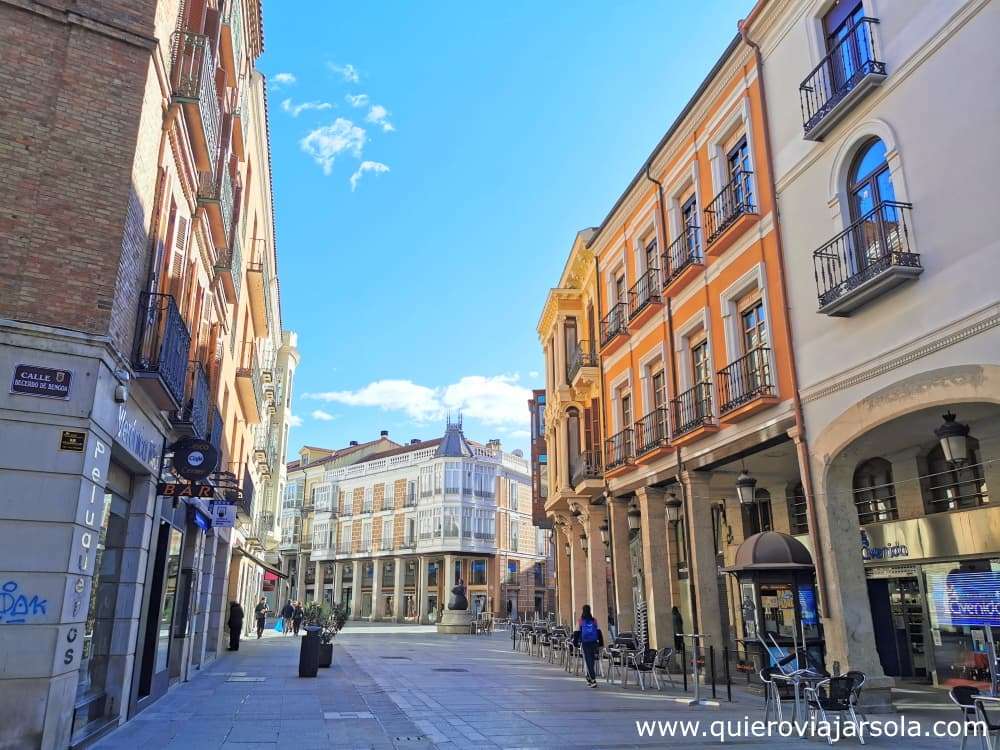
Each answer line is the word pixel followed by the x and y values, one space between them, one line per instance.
pixel 405 449
pixel 339 453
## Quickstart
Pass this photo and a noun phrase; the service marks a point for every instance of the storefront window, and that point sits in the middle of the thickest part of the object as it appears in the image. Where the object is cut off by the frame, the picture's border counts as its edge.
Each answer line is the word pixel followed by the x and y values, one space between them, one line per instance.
pixel 169 600
pixel 478 573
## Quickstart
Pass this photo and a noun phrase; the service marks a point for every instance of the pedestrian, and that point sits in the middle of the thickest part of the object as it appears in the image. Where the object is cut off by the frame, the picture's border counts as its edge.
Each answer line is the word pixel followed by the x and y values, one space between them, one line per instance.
pixel 235 624
pixel 590 639
pixel 286 614
pixel 260 614
pixel 297 614
pixel 678 630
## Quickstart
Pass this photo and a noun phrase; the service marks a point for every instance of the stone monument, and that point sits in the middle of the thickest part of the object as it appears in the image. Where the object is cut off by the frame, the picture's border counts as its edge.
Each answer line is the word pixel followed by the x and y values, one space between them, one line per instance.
pixel 456 619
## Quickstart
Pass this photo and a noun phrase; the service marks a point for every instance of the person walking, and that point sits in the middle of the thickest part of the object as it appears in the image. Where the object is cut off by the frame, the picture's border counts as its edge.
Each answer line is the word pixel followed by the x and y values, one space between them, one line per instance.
pixel 260 614
pixel 286 614
pixel 590 639
pixel 235 624
pixel 297 614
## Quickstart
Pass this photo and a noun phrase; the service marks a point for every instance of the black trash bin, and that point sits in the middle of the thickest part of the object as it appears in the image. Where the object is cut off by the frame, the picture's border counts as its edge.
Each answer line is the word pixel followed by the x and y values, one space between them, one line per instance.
pixel 309 652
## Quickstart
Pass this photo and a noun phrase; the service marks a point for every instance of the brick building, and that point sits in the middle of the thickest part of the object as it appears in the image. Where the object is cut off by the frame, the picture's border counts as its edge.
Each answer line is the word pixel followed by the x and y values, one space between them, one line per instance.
pixel 138 307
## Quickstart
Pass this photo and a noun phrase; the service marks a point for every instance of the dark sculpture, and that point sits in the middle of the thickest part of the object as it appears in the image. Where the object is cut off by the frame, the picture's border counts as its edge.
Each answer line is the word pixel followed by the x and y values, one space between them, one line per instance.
pixel 458 599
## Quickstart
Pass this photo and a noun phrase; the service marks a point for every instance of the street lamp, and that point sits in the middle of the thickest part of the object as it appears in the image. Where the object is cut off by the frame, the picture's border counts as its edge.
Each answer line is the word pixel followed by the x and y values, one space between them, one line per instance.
pixel 745 486
pixel 634 518
pixel 673 508
pixel 953 437
pixel 604 532
pixel 566 548
pixel 583 543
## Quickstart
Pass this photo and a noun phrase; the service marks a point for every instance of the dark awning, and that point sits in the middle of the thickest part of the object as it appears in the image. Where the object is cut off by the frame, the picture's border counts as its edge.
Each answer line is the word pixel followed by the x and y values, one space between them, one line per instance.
pixel 261 563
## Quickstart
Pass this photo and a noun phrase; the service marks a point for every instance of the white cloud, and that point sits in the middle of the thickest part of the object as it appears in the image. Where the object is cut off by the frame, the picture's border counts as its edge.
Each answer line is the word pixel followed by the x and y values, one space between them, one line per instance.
pixel 520 434
pixel 294 420
pixel 377 115
pixel 326 143
pixel 323 416
pixel 348 72
pixel 496 400
pixel 367 166
pixel 533 374
pixel 282 79
pixel 357 100
pixel 296 109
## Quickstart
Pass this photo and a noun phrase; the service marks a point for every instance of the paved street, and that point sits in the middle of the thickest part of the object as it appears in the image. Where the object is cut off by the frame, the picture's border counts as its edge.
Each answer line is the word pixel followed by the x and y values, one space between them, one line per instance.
pixel 407 687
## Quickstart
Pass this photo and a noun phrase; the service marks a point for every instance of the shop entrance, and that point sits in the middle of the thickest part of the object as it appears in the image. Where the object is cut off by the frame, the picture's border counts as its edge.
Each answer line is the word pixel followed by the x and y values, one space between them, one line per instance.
pixel 899 618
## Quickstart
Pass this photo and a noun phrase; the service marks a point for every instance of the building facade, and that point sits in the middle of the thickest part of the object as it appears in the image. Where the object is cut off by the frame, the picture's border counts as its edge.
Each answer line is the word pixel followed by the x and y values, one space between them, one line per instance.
pixel 144 123
pixel 539 459
pixel 894 321
pixel 388 531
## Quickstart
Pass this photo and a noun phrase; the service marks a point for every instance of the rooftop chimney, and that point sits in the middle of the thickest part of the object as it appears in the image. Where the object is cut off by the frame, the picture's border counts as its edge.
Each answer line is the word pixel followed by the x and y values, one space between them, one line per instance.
pixel 414 441
pixel 384 433
pixel 493 444
pixel 353 443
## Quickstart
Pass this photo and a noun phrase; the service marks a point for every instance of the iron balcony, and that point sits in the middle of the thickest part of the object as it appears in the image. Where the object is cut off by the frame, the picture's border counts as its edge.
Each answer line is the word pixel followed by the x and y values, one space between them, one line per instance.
pixel 683 252
pixel 192 417
pixel 644 292
pixel 614 322
pixel 693 409
pixel 192 78
pixel 746 379
pixel 581 356
pixel 652 431
pixel 618 449
pixel 162 344
pixel 736 199
pixel 586 466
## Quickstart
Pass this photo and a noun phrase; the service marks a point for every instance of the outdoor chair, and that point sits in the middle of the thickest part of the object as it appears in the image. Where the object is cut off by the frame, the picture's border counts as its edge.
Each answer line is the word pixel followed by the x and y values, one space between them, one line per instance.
pixel 777 689
pixel 615 657
pixel 988 712
pixel 642 663
pixel 835 695
pixel 964 696
pixel 661 665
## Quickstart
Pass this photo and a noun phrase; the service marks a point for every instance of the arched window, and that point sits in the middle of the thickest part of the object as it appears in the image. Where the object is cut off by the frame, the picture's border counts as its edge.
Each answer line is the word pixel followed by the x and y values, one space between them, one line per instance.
pixel 953 487
pixel 798 518
pixel 874 492
pixel 757 517
pixel 869 181
pixel 573 441
pixel 875 214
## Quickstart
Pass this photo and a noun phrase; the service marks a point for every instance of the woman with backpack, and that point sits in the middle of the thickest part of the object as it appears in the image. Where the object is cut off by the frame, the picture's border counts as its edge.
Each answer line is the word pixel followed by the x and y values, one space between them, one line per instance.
pixel 591 640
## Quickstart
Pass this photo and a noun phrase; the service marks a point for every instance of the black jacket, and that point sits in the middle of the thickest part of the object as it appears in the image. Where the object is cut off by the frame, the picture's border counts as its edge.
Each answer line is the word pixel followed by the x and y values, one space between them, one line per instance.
pixel 288 610
pixel 235 617
pixel 298 614
pixel 260 611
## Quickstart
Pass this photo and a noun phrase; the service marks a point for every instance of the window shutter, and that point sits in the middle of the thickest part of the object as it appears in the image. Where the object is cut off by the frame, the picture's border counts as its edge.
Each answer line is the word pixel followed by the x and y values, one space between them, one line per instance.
pixel 180 249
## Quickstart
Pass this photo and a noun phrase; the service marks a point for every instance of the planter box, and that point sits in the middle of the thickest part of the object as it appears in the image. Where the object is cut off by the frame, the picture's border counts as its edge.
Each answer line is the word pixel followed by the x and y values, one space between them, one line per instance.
pixel 326 654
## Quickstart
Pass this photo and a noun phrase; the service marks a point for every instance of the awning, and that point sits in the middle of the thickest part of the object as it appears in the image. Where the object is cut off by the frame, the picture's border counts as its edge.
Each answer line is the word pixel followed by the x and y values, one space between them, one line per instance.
pixel 261 563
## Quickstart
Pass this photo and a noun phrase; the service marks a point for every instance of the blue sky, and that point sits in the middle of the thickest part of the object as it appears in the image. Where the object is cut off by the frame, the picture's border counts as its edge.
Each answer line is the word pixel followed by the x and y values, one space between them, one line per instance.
pixel 432 163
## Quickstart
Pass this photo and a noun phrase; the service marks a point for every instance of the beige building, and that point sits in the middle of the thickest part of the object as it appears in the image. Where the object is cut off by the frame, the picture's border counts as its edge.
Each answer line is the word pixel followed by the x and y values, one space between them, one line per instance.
pixel 387 529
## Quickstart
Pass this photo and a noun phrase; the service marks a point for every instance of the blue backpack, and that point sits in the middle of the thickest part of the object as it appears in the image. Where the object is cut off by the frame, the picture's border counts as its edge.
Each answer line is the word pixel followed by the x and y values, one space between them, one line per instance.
pixel 588 631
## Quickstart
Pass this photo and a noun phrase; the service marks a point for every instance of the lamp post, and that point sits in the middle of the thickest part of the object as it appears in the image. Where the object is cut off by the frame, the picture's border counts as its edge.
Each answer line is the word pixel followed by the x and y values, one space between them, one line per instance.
pixel 746 487
pixel 604 533
pixel 673 505
pixel 634 518
pixel 954 439
pixel 583 543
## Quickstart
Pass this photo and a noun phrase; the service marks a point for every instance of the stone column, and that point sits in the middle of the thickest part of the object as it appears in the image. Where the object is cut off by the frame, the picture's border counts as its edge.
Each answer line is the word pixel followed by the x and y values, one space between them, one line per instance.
pixel 597 567
pixel 300 577
pixel 578 566
pixel 846 612
pixel 559 360
pixel 320 583
pixel 356 591
pixel 621 563
pixel 449 577
pixel 422 590
pixel 703 564
pixel 397 590
pixel 205 597
pixel 219 610
pixel 376 588
pixel 564 580
pixel 284 587
pixel 654 559
pixel 338 582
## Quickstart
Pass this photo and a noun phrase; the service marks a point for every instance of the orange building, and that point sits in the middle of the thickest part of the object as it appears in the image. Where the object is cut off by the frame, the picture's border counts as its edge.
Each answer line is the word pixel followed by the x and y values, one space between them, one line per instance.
pixel 697 375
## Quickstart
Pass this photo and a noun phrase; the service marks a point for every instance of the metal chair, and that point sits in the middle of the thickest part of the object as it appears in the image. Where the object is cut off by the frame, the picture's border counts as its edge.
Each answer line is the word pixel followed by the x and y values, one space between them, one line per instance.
pixel 988 713
pixel 642 663
pixel 661 664
pixel 777 689
pixel 615 656
pixel 836 695
pixel 964 696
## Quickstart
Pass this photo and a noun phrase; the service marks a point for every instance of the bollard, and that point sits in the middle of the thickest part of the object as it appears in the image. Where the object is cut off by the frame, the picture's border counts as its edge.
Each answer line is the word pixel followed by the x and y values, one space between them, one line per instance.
pixel 711 666
pixel 684 666
pixel 309 652
pixel 729 682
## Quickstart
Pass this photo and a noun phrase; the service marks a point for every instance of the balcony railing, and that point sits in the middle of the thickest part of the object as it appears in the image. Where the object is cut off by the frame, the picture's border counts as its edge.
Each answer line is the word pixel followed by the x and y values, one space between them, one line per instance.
pixel 581 356
pixel 217 188
pixel 162 343
pixel 652 431
pixel 230 263
pixel 215 424
pixel 233 18
pixel 746 379
pixel 614 322
pixel 683 252
pixel 874 247
pixel 249 370
pixel 194 413
pixel 644 292
pixel 618 449
pixel 693 409
pixel 192 77
pixel 587 465
pixel 850 62
pixel 736 199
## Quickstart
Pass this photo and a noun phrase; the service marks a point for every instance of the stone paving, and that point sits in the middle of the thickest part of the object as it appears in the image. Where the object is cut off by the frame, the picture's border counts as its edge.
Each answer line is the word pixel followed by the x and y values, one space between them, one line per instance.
pixel 407 687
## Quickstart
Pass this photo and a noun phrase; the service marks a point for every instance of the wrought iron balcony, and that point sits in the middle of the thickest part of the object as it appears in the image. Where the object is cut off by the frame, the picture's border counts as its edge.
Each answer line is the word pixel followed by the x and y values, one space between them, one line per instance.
pixel 645 292
pixel 746 379
pixel 215 425
pixel 249 387
pixel 581 356
pixel 229 266
pixel 693 409
pixel 869 257
pixel 192 77
pixel 652 431
pixel 618 449
pixel 258 283
pixel 162 343
pixel 614 322
pixel 192 417
pixel 848 71
pixel 261 440
pixel 736 199
pixel 587 465
pixel 232 36
pixel 215 192
pixel 683 253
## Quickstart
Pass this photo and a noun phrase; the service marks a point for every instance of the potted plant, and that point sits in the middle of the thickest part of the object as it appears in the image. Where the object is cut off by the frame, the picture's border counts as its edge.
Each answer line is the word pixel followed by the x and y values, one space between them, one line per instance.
pixel 326 644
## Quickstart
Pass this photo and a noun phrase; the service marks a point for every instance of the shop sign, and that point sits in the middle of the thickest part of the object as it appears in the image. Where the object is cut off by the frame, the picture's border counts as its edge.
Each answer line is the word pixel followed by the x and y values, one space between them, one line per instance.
pixel 183 489
pixel 890 551
pixel 223 516
pixel 131 435
pixel 46 382
pixel 71 440
pixel 195 459
pixel 965 597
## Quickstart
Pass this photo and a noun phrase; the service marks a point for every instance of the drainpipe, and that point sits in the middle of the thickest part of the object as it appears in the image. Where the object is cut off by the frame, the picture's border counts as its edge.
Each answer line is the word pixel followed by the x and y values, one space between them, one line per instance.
pixel 801 447
pixel 669 324
pixel 600 439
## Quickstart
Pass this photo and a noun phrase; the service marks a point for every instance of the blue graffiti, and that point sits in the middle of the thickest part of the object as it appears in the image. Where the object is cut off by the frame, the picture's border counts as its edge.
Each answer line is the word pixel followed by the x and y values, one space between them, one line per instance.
pixel 16 608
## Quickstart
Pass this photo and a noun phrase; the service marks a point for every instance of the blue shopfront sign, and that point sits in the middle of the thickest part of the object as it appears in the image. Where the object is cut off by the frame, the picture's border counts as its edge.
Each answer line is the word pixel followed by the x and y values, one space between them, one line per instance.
pixel 965 598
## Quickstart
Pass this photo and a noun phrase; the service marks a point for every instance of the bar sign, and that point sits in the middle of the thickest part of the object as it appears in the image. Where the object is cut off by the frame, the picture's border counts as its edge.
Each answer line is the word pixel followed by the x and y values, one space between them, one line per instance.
pixel 32 380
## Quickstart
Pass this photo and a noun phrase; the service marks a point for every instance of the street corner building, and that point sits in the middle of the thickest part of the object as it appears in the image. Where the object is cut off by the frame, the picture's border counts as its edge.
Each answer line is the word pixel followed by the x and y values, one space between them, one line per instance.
pixel 386 529
pixel 139 312
pixel 772 374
